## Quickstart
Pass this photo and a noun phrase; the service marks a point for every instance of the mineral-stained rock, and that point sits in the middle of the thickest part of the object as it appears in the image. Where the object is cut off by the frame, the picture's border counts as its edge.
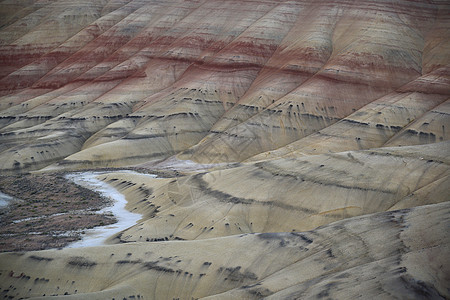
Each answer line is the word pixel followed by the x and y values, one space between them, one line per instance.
pixel 429 128
pixel 218 82
pixel 380 123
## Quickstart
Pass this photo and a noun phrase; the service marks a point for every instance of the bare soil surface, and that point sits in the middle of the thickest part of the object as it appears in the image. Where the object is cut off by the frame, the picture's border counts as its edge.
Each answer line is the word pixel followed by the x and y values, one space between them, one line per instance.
pixel 49 212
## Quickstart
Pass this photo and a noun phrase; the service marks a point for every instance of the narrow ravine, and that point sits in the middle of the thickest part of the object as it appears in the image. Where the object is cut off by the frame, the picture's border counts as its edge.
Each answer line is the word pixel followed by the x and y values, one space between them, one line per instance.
pixel 97 236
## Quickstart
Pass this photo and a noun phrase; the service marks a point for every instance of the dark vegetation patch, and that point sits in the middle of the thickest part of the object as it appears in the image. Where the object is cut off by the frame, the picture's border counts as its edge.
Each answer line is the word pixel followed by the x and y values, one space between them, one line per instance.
pixel 330 253
pixel 268 236
pixel 153 265
pixel 40 258
pixel 420 289
pixel 50 212
pixel 260 293
pixel 303 237
pixel 81 262
pixel 235 274
pixel 126 261
pixel 256 290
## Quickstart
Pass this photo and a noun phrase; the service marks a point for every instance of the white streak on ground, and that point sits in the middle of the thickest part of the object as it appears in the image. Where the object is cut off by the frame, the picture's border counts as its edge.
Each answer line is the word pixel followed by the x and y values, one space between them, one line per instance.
pixel 5 199
pixel 98 235
pixel 175 164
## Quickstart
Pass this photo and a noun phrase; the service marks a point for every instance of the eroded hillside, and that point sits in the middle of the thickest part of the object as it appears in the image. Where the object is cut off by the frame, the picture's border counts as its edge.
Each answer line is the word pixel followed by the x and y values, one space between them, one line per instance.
pixel 302 146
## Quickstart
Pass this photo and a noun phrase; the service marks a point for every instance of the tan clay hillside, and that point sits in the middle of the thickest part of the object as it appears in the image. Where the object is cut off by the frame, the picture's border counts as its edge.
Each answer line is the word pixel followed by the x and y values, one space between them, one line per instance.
pixel 302 147
pixel 385 255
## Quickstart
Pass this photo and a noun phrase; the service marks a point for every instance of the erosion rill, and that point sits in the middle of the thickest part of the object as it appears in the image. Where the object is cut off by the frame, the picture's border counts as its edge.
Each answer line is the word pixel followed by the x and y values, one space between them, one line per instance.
pixel 301 147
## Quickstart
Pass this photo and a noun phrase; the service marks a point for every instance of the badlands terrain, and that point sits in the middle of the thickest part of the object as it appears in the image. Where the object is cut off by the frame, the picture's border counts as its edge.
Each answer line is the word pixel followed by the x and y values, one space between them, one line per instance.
pixel 301 147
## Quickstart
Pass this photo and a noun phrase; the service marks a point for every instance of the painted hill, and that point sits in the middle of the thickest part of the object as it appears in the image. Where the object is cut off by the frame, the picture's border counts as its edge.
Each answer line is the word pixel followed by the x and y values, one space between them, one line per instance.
pixel 217 81
pixel 383 255
pixel 264 119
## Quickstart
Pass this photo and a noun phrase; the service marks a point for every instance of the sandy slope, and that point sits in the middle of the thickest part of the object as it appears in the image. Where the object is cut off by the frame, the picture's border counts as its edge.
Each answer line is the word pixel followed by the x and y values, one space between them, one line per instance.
pixel 205 235
pixel 396 254
pixel 284 195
